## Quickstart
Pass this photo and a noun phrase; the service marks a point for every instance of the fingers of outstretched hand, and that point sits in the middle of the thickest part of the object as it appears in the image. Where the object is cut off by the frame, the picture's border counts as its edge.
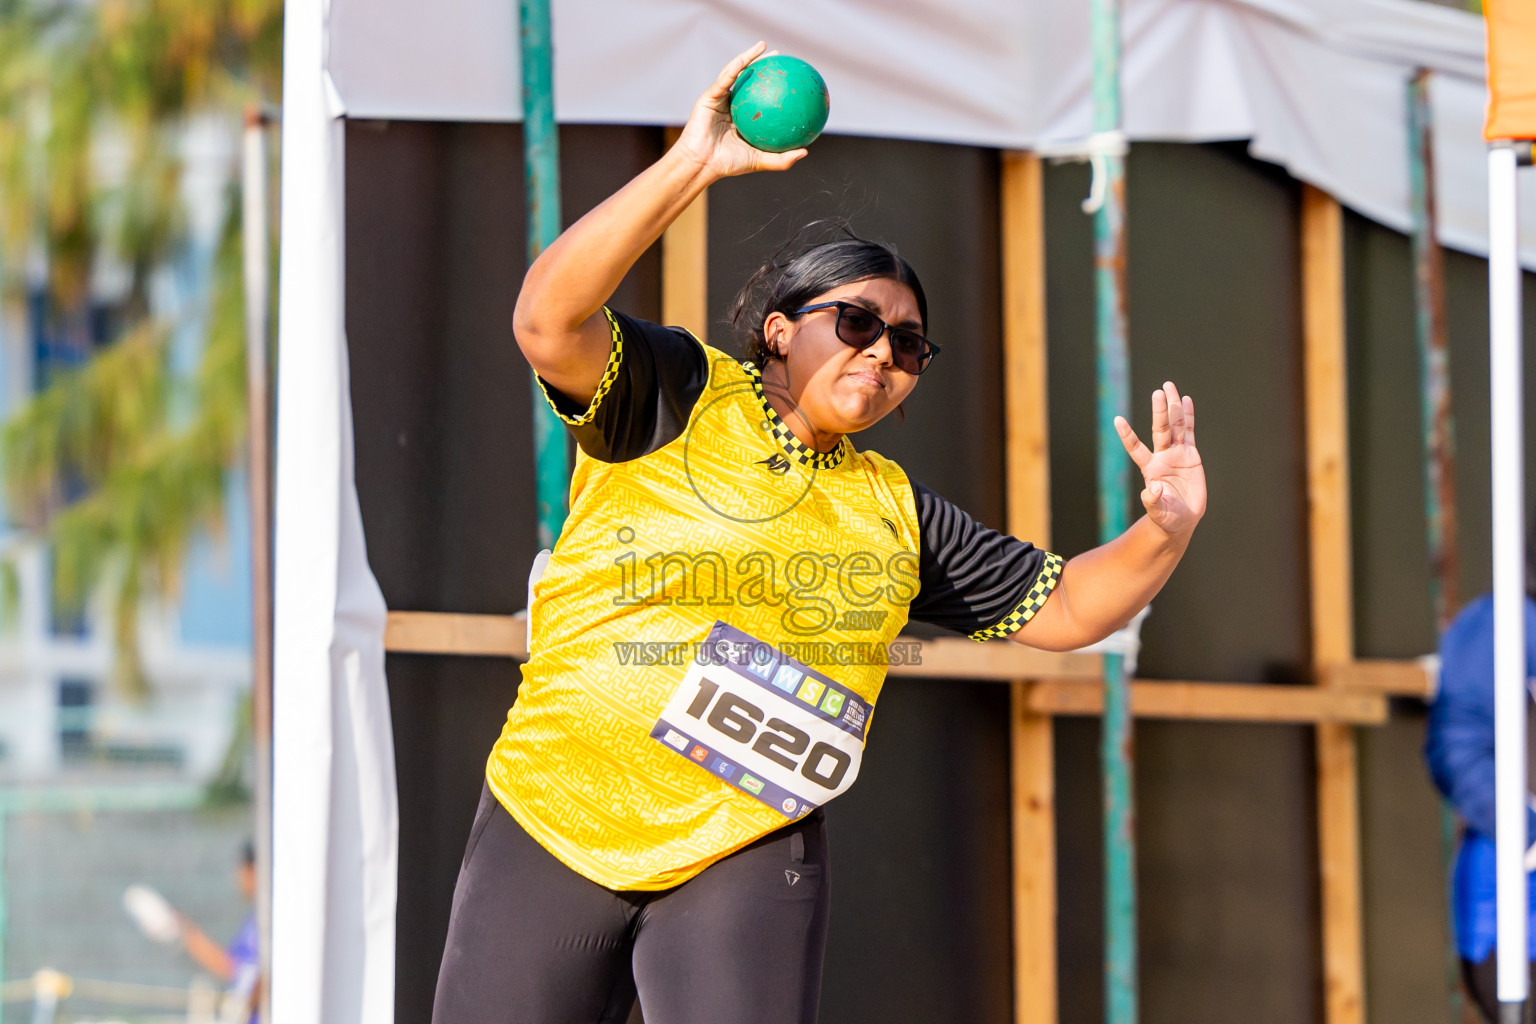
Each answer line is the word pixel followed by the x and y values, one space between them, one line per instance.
pixel 1188 405
pixel 1133 446
pixel 727 76
pixel 1161 437
pixel 1175 412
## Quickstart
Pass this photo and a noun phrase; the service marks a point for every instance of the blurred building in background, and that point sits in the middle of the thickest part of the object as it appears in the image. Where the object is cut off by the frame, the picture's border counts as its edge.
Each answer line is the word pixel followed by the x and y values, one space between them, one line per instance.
pixel 61 719
pixel 100 789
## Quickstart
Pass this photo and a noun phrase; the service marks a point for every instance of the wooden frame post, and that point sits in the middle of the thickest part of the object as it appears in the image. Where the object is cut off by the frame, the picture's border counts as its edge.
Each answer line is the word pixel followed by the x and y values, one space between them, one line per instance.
pixel 1027 459
pixel 685 265
pixel 1327 427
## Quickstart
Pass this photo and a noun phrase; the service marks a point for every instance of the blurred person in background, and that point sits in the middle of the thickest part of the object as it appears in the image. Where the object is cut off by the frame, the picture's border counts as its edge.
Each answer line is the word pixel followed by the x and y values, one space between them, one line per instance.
pixel 1459 749
pixel 237 965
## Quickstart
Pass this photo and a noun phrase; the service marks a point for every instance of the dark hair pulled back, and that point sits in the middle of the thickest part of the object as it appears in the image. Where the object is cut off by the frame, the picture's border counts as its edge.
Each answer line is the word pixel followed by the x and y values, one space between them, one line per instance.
pixel 805 268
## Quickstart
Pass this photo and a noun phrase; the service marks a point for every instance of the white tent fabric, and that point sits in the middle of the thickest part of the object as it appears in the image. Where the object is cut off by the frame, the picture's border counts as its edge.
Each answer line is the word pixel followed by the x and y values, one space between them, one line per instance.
pixel 1318 86
pixel 335 821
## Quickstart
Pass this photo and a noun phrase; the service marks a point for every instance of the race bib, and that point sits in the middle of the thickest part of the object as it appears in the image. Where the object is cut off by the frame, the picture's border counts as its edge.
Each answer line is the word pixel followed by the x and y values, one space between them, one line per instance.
pixel 774 728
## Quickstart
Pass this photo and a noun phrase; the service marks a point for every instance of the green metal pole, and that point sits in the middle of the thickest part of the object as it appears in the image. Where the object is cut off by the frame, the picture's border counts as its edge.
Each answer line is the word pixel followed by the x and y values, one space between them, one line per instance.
pixel 541 149
pixel 1116 741
pixel 1438 428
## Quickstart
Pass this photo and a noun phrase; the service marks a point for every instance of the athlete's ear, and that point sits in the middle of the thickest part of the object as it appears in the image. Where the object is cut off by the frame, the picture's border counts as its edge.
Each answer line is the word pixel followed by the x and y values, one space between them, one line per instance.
pixel 777 328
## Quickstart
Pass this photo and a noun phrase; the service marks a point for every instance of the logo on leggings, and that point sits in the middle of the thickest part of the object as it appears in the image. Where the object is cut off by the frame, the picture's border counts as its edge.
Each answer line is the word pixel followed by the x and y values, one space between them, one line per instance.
pixel 790 876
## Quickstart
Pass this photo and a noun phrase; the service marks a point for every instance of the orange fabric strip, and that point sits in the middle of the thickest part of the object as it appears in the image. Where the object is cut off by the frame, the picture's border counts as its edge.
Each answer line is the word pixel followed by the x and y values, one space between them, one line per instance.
pixel 1511 69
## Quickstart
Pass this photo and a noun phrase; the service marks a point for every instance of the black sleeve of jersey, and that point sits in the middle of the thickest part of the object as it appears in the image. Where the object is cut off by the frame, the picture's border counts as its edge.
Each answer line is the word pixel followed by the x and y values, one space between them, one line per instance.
pixel 972 579
pixel 653 379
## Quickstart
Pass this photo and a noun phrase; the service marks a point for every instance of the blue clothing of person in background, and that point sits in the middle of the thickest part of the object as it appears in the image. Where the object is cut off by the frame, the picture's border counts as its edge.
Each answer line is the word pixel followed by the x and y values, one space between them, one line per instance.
pixel 1459 748
pixel 244 952
pixel 243 949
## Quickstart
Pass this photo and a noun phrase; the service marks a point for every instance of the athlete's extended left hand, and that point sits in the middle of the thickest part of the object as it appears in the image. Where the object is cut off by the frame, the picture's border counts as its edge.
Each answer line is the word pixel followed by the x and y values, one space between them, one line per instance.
pixel 1174 495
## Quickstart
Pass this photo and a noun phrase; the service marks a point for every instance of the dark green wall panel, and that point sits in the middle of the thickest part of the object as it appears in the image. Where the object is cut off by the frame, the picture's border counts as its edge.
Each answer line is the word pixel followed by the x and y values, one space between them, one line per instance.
pixel 1225 812
pixel 1393 617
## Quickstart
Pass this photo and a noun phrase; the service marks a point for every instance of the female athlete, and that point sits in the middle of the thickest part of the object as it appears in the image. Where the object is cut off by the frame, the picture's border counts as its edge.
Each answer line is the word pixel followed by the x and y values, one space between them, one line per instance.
pixel 710 636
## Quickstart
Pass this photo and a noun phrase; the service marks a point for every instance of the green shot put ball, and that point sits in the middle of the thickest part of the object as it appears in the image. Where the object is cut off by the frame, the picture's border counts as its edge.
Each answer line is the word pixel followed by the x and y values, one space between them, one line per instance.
pixel 779 104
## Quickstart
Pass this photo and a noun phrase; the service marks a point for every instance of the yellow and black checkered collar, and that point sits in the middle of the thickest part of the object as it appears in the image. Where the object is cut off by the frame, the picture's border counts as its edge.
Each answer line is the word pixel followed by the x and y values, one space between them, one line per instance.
pixel 792 445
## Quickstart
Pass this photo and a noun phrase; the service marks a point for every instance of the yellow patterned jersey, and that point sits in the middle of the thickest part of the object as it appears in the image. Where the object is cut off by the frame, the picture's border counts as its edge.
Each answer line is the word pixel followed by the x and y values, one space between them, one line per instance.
pixel 709 638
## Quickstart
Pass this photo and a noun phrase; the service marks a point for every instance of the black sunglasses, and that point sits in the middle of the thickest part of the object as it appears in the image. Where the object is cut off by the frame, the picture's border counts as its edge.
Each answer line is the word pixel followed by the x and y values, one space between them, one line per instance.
pixel 859 328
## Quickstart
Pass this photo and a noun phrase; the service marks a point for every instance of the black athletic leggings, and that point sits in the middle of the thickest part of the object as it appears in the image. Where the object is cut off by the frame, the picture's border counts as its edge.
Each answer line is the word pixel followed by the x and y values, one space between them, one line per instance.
pixel 532 942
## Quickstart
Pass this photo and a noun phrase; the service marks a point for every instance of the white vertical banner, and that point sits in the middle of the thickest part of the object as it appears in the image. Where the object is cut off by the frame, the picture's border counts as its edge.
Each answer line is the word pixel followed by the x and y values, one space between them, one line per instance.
pixel 335 816
pixel 1510 693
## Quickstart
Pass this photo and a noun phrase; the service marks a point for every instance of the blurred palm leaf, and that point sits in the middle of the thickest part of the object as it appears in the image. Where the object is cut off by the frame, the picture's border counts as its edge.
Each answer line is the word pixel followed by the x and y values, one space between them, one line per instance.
pixel 118 464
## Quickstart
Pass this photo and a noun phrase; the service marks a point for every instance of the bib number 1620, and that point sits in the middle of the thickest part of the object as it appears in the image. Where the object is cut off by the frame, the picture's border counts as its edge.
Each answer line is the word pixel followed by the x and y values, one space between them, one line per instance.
pixel 775 739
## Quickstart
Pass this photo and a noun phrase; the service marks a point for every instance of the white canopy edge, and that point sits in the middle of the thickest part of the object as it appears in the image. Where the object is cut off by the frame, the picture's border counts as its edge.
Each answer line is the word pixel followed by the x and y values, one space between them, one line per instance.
pixel 1317 86
pixel 335 818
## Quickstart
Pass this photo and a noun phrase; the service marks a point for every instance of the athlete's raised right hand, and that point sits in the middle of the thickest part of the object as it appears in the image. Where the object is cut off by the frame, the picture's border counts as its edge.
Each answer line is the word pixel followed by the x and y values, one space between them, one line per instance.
pixel 558 321
pixel 710 140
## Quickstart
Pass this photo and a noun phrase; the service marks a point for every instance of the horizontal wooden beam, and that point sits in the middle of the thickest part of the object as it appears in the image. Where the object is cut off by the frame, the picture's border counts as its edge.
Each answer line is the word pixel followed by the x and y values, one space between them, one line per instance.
pixel 1060 684
pixel 957 658
pixel 944 658
pixel 1223 702
pixel 503 636
pixel 1389 678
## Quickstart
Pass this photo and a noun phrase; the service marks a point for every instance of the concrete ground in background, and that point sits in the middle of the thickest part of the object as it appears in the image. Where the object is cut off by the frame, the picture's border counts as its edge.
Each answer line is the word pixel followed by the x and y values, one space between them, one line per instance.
pixel 64 881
